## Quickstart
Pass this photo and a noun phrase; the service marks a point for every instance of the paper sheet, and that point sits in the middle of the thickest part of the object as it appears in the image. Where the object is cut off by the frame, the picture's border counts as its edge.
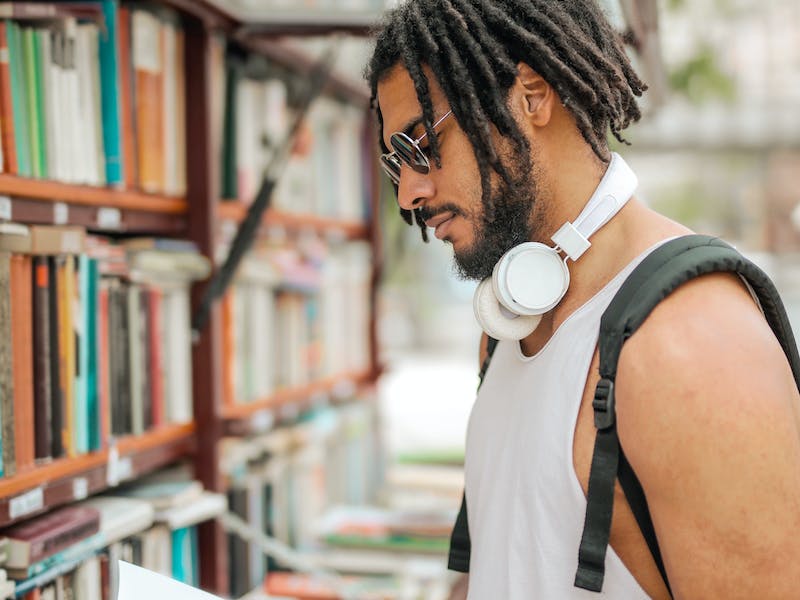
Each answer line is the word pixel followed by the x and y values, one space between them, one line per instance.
pixel 136 583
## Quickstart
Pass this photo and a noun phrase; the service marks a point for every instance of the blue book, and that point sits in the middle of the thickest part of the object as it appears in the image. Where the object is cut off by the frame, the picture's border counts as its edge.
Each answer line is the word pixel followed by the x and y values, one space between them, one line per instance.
pixel 92 388
pixel 110 93
pixel 184 556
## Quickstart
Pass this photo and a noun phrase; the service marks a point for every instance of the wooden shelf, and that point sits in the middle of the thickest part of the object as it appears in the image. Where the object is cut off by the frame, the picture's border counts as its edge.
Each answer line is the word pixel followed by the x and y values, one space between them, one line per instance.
pixel 234 210
pixel 69 479
pixel 97 208
pixel 298 398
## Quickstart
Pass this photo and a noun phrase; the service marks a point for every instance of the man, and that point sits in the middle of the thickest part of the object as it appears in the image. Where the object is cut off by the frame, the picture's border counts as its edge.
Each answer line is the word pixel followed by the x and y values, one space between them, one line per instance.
pixel 501 110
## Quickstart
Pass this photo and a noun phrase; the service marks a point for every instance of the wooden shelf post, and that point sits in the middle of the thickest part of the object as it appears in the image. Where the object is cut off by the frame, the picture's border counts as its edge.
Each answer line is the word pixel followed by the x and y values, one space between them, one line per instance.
pixel 202 181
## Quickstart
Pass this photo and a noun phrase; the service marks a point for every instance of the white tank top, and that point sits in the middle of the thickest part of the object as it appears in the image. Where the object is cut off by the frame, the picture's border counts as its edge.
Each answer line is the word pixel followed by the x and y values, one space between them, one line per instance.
pixel 525 505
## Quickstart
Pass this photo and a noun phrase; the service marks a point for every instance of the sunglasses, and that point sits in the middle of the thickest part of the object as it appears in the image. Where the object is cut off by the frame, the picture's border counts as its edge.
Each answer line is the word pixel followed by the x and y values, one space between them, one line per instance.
pixel 407 151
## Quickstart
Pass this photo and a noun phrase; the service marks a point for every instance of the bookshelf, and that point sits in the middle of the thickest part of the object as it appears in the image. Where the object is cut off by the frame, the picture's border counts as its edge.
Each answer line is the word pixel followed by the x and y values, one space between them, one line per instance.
pixel 65 480
pixel 196 214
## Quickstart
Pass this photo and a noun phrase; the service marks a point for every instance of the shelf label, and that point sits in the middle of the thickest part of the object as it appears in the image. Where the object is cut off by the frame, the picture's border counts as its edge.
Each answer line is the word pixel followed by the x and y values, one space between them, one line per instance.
pixel 80 488
pixel 109 218
pixel 60 213
pixel 27 503
pixel 5 208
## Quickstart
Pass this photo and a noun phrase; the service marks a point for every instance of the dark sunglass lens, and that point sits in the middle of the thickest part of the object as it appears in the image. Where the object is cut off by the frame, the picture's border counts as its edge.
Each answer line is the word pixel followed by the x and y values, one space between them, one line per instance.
pixel 391 165
pixel 410 153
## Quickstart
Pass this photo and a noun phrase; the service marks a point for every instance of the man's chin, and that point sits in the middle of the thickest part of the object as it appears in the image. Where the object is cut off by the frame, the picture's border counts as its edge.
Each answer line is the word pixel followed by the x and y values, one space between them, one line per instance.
pixel 472 266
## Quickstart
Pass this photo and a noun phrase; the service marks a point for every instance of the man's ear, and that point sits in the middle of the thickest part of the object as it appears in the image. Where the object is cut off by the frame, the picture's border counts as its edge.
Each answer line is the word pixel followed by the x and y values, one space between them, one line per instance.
pixel 536 95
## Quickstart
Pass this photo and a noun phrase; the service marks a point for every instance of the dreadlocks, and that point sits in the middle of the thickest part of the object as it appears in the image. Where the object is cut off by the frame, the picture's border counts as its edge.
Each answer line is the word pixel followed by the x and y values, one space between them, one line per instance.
pixel 473 48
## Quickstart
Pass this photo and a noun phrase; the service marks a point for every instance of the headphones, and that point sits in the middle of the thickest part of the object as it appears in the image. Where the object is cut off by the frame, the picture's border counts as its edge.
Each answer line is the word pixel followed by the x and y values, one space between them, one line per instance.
pixel 532 278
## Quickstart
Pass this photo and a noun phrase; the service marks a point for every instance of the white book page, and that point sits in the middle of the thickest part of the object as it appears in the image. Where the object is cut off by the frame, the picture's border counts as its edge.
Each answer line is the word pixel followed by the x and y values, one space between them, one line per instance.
pixel 136 583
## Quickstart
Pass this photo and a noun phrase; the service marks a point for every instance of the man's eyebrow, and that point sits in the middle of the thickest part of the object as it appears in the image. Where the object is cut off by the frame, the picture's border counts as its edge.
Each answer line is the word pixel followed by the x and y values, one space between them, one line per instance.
pixel 412 124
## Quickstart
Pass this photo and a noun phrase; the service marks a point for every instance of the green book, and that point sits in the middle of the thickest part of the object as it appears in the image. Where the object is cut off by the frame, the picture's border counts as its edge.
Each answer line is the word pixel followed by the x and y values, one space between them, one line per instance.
pixel 40 63
pixel 18 98
pixel 31 101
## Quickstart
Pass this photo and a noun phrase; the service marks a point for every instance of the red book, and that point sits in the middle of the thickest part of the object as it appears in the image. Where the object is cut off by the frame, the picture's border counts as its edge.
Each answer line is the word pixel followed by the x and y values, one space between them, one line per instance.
pixel 43 536
pixel 129 153
pixel 156 358
pixel 6 107
pixel 22 344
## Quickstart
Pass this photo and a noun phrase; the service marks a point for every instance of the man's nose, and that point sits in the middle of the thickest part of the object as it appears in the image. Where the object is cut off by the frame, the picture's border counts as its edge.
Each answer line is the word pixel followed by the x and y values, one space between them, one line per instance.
pixel 414 189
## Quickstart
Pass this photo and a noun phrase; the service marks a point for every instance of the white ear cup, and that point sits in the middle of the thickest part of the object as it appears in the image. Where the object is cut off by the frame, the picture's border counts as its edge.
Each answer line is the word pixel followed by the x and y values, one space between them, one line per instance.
pixel 496 320
pixel 530 279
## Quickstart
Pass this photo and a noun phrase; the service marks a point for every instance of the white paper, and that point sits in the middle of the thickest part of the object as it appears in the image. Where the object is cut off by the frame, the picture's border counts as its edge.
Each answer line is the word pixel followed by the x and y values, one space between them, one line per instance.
pixel 136 583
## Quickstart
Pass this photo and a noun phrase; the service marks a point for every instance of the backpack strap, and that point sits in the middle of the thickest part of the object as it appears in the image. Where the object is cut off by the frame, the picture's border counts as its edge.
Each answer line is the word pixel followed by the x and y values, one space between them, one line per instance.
pixel 657 276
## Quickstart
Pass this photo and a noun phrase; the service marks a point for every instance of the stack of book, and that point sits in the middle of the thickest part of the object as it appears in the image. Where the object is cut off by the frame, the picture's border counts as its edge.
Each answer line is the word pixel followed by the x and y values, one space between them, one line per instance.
pixel 100 338
pixel 75 549
pixel 94 95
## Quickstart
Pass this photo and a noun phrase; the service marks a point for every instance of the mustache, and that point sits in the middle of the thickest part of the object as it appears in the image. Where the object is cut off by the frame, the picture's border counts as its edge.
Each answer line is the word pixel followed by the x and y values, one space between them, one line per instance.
pixel 426 214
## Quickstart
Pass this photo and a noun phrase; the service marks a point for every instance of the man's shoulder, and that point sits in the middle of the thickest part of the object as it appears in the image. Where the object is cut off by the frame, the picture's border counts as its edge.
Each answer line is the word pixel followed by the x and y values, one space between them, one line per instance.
pixel 702 357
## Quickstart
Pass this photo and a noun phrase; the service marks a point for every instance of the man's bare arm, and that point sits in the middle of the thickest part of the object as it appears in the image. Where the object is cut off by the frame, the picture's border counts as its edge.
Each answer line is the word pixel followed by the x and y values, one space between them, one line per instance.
pixel 708 417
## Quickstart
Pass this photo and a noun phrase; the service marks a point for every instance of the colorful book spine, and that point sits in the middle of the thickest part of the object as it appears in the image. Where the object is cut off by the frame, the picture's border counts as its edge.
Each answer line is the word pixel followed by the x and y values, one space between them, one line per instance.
pixel 6 104
pixel 55 265
pixel 92 318
pixel 110 90
pixel 42 391
pixel 80 325
pixel 22 343
pixel 18 98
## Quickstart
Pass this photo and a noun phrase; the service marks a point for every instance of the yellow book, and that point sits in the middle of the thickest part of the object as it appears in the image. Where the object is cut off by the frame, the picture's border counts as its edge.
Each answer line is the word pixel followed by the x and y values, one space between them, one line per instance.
pixel 66 289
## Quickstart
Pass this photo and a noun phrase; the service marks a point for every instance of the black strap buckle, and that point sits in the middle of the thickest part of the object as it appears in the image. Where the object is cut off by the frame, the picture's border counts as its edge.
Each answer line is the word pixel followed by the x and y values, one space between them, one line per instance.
pixel 605 412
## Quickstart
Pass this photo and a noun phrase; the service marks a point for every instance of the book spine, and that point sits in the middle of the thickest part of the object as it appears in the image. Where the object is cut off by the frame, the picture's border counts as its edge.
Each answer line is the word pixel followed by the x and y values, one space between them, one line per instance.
pixel 103 365
pixel 39 92
pixel 67 352
pixel 109 69
pixel 81 324
pixel 42 392
pixel 156 358
pixel 6 105
pixel 130 166
pixel 22 343
pixel 135 360
pixel 55 265
pixel 18 97
pixel 6 369
pixel 92 319
pixel 31 100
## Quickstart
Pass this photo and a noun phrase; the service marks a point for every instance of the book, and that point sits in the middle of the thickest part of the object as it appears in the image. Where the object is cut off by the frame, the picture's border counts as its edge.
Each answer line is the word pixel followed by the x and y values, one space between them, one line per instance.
pixel 56 414
pixel 129 150
pixel 6 106
pixel 42 391
pixel 17 76
pixel 38 538
pixel 22 343
pixel 6 369
pixel 165 494
pixel 110 84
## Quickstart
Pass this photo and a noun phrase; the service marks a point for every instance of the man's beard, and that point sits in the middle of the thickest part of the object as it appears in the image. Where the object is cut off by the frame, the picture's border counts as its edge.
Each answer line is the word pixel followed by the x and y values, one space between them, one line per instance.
pixel 511 225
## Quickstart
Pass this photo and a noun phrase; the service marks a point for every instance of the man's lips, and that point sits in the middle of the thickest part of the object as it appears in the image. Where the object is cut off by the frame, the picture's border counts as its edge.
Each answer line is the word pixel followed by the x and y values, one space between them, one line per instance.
pixel 440 223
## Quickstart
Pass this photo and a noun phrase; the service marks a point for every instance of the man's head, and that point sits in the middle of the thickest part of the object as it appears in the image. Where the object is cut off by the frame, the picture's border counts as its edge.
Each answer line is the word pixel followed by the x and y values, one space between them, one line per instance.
pixel 519 77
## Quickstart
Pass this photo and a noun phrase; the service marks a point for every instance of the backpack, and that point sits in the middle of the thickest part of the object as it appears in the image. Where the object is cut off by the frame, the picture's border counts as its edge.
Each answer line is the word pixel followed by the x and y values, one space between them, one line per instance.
pixel 658 275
